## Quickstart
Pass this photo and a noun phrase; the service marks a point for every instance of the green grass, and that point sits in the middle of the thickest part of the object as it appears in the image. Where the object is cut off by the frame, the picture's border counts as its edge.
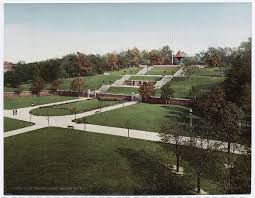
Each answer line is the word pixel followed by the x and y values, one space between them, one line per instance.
pixel 148 117
pixel 92 82
pixel 162 70
pixel 12 124
pixel 182 85
pixel 26 101
pixel 132 71
pixel 66 109
pixel 98 164
pixel 147 78
pixel 208 71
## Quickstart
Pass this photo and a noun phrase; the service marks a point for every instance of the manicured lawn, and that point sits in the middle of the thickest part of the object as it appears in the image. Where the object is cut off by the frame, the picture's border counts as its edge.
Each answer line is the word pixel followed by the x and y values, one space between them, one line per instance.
pixel 25 87
pixel 122 90
pixel 162 70
pixel 149 78
pixel 67 109
pixel 26 101
pixel 148 117
pixel 12 124
pixel 97 164
pixel 131 70
pixel 92 82
pixel 208 71
pixel 182 85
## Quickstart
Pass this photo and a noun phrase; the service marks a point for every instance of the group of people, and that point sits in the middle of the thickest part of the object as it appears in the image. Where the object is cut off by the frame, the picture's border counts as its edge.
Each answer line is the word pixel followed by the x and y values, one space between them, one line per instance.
pixel 14 111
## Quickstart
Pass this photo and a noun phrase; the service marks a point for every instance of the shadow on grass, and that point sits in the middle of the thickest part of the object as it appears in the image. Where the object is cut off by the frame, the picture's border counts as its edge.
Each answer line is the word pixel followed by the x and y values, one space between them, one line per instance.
pixel 157 179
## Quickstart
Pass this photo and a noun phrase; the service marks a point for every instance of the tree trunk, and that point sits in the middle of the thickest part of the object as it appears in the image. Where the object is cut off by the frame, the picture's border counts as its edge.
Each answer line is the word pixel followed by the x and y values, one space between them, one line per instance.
pixel 177 157
pixel 229 167
pixel 198 182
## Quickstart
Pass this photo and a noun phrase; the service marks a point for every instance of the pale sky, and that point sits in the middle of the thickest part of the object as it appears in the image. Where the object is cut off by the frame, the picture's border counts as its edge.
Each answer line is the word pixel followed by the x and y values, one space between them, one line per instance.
pixel 36 32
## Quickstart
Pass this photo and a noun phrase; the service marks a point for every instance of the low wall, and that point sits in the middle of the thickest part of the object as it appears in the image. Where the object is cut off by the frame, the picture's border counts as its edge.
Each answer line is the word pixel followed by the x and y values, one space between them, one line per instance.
pixel 174 101
pixel 72 93
pixel 27 93
pixel 108 96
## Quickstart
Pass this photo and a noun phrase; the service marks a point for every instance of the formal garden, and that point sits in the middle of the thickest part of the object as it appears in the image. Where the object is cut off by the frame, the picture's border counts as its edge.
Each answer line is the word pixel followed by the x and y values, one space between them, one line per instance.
pixel 100 159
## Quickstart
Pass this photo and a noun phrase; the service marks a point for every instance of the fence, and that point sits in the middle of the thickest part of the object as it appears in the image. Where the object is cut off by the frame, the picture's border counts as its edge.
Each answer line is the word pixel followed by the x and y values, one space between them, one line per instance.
pixel 27 93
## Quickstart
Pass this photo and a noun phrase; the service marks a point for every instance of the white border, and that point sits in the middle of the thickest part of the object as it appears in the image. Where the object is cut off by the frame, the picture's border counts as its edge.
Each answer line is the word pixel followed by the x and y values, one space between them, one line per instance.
pixel 252 195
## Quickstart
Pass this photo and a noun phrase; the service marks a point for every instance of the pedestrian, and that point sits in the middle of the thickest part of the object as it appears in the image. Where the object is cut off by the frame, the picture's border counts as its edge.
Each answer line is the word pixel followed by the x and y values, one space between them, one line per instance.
pixel 16 112
pixel 13 112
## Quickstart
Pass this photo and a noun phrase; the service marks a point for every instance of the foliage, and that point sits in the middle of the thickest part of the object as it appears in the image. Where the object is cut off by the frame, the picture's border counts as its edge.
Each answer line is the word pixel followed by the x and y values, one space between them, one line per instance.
pixel 55 86
pixel 37 86
pixel 238 82
pixel 19 90
pixel 156 57
pixel 167 54
pixel 167 91
pixel 146 90
pixel 77 84
pixel 112 60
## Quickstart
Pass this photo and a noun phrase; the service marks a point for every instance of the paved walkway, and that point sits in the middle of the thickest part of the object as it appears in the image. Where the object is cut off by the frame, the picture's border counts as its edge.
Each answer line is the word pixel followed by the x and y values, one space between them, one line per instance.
pixel 144 70
pixel 65 121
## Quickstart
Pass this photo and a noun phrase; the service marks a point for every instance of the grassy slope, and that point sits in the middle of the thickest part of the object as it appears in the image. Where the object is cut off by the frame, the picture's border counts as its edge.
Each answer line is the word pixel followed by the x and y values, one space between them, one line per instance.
pixel 12 124
pixel 183 85
pixel 66 109
pixel 26 101
pixel 160 71
pixel 209 71
pixel 132 71
pixel 99 164
pixel 92 82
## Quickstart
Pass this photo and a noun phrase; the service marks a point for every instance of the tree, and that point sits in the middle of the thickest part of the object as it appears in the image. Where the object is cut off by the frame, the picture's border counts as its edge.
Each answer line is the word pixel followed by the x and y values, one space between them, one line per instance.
pixel 19 90
pixel 11 79
pixel 167 92
pixel 84 65
pixel 37 86
pixel 136 57
pixel 238 82
pixel 156 57
pixel 189 71
pixel 146 90
pixel 167 54
pixel 77 84
pixel 112 60
pixel 170 131
pixel 55 86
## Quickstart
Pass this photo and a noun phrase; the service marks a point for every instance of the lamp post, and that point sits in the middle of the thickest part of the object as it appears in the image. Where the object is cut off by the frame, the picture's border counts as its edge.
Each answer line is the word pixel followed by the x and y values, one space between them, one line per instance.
pixel 30 119
pixel 190 117
pixel 240 126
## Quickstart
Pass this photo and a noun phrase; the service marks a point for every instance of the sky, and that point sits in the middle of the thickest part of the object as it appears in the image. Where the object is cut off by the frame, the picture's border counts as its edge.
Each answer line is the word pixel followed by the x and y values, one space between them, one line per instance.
pixel 35 32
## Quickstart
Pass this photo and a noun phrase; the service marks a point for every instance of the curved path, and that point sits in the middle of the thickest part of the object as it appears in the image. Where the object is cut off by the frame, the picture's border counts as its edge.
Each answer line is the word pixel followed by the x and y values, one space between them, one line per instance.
pixel 65 121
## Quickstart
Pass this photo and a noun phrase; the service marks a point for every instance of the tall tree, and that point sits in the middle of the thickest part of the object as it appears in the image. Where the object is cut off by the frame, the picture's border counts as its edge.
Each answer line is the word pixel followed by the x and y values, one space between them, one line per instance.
pixel 156 57
pixel 112 60
pixel 37 86
pixel 166 54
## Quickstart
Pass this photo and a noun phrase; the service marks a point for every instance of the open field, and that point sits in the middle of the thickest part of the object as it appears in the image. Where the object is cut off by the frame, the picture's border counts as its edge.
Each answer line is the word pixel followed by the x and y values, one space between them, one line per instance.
pixel 99 164
pixel 208 71
pixel 26 101
pixel 148 78
pixel 12 124
pixel 182 85
pixel 142 116
pixel 130 71
pixel 162 70
pixel 70 108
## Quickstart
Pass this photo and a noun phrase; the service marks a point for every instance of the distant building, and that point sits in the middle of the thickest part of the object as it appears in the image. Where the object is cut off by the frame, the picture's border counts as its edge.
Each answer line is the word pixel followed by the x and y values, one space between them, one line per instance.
pixel 7 66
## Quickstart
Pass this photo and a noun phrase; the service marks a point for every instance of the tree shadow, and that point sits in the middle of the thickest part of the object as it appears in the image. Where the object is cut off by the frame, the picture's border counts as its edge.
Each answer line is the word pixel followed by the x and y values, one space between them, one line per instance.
pixel 157 178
